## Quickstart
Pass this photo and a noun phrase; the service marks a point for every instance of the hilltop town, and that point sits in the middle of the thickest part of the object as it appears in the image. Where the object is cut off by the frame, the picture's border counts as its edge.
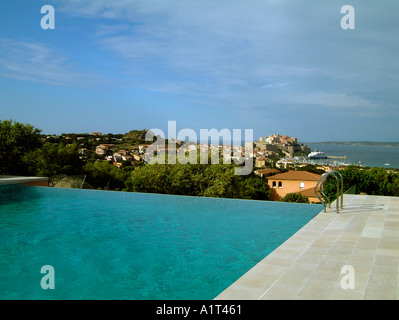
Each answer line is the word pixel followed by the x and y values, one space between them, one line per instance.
pixel 273 151
pixel 129 148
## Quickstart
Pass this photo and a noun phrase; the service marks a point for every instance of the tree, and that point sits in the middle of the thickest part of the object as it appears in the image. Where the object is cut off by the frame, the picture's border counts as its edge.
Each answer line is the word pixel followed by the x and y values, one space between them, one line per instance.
pixel 219 180
pixel 295 197
pixel 104 175
pixel 395 185
pixel 373 181
pixel 16 140
pixel 252 187
pixel 216 180
pixel 53 159
pixel 149 178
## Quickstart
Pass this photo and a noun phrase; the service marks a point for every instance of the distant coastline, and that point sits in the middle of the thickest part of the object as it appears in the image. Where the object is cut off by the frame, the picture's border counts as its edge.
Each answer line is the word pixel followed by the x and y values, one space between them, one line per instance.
pixel 358 143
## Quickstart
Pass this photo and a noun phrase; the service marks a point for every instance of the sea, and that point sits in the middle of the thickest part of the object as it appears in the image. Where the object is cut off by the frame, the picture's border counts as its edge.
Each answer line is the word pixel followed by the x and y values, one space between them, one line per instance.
pixel 365 155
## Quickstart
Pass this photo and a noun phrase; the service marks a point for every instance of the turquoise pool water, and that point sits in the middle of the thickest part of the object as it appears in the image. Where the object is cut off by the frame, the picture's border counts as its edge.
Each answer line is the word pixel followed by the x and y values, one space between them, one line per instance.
pixel 116 245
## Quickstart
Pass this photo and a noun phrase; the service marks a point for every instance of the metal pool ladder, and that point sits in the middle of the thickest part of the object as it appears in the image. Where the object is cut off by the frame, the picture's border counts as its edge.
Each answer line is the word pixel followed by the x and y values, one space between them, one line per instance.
pixel 340 190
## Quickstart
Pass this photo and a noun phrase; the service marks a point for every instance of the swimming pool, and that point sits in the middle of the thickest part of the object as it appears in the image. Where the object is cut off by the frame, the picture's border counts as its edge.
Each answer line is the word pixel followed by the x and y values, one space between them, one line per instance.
pixel 117 245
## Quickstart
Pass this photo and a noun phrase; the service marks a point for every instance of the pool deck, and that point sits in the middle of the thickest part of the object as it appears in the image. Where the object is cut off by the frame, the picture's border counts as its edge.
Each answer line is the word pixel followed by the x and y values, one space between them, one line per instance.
pixel 364 235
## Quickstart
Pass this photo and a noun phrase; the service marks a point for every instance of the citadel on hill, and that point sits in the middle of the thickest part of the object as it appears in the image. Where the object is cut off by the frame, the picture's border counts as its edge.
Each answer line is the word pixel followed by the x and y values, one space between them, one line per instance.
pixel 276 144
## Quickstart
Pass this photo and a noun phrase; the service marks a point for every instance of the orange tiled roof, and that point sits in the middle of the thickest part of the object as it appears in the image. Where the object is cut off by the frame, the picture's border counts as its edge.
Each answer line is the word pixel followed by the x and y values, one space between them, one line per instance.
pixel 264 171
pixel 296 175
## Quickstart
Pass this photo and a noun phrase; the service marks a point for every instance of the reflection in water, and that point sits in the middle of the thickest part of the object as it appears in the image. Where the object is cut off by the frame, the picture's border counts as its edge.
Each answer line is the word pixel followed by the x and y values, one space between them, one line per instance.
pixel 17 193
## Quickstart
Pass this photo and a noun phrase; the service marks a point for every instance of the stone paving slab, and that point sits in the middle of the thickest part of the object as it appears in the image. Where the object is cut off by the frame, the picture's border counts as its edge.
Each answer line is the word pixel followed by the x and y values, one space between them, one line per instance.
pixel 363 236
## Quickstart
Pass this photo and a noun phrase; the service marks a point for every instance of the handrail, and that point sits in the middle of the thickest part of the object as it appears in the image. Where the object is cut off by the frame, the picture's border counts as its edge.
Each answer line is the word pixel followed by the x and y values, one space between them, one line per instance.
pixel 322 189
pixel 342 188
pixel 83 182
pixel 317 195
pixel 340 191
pixel 321 181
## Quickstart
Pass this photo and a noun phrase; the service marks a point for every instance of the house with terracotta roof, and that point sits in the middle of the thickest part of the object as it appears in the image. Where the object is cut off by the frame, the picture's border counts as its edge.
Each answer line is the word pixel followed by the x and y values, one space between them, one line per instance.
pixel 266 172
pixel 302 182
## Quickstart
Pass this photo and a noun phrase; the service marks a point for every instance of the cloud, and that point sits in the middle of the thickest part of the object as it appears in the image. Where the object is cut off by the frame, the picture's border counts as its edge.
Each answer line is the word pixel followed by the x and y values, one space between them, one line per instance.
pixel 32 61
pixel 248 52
pixel 333 100
pixel 110 29
pixel 223 53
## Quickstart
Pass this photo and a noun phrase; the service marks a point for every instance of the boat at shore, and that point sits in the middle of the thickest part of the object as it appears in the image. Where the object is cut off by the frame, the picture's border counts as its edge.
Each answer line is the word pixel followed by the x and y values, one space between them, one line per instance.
pixel 317 155
pixel 369 155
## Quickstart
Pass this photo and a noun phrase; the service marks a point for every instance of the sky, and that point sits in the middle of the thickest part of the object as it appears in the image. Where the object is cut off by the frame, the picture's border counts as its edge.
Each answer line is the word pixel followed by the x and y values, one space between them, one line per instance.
pixel 274 66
